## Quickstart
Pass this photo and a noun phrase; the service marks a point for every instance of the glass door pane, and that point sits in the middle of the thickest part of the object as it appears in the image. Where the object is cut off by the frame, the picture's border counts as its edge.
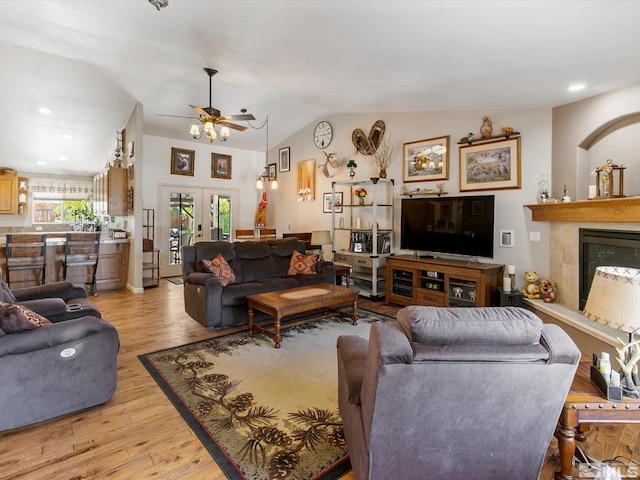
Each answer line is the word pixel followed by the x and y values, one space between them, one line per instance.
pixel 181 223
pixel 219 207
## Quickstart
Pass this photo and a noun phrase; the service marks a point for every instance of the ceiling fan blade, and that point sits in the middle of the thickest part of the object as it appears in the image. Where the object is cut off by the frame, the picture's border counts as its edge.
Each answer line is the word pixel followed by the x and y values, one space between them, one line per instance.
pixel 200 110
pixel 179 116
pixel 240 117
pixel 242 128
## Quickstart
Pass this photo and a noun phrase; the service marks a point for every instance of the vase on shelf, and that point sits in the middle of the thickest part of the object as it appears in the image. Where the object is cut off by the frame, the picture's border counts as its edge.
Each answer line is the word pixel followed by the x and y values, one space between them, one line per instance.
pixel 361 200
pixel 383 173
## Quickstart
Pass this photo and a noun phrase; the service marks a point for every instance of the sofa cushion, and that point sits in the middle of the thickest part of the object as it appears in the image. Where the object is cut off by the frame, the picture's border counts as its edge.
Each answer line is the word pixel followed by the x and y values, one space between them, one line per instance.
pixel 281 250
pixel 470 326
pixel 273 284
pixel 256 262
pixel 235 295
pixel 221 269
pixel 209 250
pixel 301 264
pixel 6 295
pixel 16 318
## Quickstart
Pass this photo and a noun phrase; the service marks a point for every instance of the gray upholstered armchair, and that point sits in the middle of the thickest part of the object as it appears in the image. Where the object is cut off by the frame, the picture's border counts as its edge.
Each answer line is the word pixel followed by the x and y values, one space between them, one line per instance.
pixel 453 393
pixel 55 301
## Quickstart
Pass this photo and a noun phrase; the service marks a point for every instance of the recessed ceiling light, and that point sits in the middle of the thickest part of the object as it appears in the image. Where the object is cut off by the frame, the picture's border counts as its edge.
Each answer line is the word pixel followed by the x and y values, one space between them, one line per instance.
pixel 41 162
pixel 66 136
pixel 63 159
pixel 574 87
pixel 45 110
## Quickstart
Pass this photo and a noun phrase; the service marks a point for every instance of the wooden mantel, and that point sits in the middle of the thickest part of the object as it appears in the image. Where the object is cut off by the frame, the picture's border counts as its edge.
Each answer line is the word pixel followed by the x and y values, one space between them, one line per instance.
pixel 618 210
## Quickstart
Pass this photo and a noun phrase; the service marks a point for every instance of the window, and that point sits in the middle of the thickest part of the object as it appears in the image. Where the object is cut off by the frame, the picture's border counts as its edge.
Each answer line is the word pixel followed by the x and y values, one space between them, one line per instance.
pixel 55 210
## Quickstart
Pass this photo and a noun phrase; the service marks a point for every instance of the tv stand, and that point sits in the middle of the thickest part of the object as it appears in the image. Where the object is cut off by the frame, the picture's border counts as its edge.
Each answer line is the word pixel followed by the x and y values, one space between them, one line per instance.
pixel 440 282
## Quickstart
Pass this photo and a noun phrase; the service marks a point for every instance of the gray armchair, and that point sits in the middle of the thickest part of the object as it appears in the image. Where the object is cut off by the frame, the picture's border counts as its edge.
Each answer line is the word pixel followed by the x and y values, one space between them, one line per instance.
pixel 55 301
pixel 56 369
pixel 453 393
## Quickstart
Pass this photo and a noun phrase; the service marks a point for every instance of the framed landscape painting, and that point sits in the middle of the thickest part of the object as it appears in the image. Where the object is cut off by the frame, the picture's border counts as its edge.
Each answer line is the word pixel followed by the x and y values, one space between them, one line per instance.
pixel 490 165
pixel 426 160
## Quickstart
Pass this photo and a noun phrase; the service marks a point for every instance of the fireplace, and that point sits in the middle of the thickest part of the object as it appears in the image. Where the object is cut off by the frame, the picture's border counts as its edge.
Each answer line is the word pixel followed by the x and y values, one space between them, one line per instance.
pixel 605 247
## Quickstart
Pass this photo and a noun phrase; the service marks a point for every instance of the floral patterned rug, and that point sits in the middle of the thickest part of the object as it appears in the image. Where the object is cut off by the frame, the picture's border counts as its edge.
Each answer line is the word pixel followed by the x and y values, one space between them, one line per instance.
pixel 262 412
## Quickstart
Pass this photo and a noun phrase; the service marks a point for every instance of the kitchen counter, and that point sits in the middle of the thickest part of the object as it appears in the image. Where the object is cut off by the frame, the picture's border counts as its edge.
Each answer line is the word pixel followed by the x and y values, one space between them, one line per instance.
pixel 113 262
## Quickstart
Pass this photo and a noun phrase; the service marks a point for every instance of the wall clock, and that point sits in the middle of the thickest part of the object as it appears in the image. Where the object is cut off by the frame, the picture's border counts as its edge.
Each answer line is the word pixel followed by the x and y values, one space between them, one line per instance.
pixel 323 134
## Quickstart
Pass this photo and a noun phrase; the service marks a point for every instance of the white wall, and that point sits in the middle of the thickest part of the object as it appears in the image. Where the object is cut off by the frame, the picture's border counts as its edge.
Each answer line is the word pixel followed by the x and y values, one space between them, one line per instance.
pixel 533 124
pixel 245 168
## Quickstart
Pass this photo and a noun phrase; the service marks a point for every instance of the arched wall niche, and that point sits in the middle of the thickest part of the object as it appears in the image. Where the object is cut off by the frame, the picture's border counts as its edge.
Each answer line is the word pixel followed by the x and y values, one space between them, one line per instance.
pixel 616 139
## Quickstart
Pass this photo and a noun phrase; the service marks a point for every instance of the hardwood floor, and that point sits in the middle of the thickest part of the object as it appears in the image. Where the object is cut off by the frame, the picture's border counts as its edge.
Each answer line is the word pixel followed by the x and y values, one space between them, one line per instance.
pixel 139 434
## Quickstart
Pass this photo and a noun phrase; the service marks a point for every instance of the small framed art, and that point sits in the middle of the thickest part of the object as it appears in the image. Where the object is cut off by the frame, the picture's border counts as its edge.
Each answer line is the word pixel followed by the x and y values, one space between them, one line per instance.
pixel 271 170
pixel 329 202
pixel 285 159
pixel 490 165
pixel 182 161
pixel 220 166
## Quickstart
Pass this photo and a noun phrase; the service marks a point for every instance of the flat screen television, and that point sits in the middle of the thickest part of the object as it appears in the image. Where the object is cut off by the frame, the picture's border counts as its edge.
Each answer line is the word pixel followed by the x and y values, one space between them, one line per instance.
pixel 451 225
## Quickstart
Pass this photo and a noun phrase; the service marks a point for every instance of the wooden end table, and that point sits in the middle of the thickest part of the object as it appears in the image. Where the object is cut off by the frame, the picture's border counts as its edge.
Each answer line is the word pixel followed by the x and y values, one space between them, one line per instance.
pixel 586 405
pixel 324 298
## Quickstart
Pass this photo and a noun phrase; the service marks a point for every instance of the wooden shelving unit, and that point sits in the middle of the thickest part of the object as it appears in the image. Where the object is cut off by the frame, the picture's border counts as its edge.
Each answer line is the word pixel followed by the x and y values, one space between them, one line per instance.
pixel 150 255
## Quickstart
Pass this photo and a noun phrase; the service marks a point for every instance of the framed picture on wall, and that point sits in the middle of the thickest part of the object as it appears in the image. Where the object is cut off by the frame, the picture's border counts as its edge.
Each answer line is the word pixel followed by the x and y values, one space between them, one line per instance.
pixel 271 170
pixel 426 160
pixel 285 159
pixel 182 161
pixel 490 165
pixel 220 166
pixel 330 202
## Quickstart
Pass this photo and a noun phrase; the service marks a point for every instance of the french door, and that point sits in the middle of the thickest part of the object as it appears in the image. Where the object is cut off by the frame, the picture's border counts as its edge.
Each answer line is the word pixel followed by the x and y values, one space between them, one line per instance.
pixel 190 215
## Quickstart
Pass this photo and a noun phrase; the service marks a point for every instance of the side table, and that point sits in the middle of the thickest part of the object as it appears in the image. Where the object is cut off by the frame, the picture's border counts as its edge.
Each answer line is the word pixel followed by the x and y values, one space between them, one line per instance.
pixel 342 271
pixel 585 405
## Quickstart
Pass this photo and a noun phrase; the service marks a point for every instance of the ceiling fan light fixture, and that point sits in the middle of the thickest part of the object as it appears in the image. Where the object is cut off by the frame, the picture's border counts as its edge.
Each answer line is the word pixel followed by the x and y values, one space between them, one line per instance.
pixel 208 127
pixel 194 131
pixel 224 133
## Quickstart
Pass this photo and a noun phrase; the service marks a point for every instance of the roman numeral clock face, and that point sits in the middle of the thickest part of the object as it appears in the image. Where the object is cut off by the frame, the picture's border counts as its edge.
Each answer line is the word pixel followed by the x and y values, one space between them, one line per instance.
pixel 323 134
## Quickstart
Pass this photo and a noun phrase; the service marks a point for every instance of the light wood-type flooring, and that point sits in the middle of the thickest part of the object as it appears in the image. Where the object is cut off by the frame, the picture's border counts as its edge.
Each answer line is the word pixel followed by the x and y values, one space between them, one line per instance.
pixel 138 434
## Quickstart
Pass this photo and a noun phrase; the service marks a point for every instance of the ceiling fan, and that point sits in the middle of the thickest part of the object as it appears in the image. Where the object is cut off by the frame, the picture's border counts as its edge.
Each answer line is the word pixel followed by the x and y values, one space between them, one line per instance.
pixel 209 117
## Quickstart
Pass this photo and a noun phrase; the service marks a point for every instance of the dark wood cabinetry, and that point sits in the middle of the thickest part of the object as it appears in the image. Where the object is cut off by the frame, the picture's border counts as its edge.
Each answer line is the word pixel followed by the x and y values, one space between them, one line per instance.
pixel 441 283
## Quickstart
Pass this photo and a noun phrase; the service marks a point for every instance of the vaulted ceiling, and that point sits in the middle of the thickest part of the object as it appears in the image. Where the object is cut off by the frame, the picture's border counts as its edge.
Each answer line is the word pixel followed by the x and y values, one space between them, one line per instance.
pixel 296 61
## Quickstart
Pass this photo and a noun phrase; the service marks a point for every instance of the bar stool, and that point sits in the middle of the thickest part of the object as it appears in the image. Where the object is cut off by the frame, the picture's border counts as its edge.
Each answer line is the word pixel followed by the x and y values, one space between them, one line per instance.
pixel 26 252
pixel 82 250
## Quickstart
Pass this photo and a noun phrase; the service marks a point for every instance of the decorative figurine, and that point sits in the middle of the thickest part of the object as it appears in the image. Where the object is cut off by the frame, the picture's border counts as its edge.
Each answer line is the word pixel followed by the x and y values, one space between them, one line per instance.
pixel 531 289
pixel 486 130
pixel 548 290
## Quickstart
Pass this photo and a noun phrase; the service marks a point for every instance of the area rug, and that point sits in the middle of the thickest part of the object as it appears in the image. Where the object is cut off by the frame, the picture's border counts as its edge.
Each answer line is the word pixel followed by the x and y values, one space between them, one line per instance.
pixel 262 412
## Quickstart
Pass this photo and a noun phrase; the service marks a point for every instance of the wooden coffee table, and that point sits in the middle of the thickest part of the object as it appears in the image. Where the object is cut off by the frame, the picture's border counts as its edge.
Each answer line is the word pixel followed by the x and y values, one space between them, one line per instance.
pixel 318 301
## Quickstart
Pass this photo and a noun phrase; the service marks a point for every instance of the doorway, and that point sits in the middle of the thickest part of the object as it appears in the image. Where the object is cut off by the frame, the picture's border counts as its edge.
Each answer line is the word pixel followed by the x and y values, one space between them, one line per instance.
pixel 190 215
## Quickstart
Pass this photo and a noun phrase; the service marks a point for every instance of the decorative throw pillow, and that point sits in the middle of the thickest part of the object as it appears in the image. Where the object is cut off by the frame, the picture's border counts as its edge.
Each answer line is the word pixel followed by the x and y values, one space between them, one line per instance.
pixel 302 264
pixel 16 318
pixel 221 269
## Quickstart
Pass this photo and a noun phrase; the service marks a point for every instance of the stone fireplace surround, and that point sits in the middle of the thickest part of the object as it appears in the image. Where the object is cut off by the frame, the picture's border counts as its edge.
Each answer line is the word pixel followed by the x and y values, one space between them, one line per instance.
pixel 590 336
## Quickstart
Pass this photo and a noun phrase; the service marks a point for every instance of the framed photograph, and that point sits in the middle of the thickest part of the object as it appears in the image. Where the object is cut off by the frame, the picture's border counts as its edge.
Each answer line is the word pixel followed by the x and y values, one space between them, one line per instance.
pixel 490 165
pixel 182 161
pixel 329 202
pixel 272 170
pixel 506 238
pixel 426 160
pixel 285 159
pixel 220 166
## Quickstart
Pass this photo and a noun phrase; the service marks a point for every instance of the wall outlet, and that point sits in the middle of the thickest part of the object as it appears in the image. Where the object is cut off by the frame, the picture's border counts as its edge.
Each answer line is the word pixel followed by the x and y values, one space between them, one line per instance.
pixel 534 236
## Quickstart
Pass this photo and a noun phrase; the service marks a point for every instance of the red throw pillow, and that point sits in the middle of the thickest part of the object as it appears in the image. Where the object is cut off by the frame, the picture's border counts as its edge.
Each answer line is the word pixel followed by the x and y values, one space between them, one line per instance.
pixel 302 264
pixel 16 318
pixel 221 269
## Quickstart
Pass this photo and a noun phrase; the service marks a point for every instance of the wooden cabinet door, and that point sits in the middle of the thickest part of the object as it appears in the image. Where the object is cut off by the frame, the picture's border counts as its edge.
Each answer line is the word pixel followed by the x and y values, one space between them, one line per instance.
pixel 8 194
pixel 117 191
